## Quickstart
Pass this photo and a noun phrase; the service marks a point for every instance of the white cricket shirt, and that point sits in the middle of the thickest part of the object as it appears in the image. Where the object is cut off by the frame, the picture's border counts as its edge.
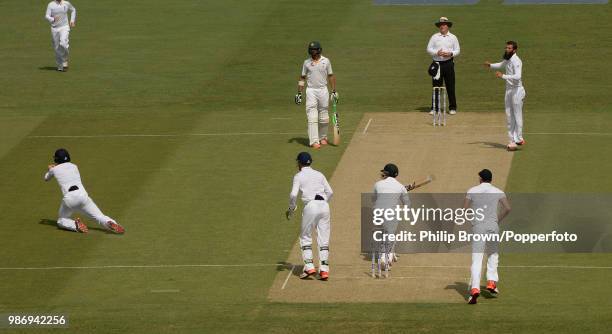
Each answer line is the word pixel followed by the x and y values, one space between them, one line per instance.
pixel 316 72
pixel 311 183
pixel 67 175
pixel 448 43
pixel 389 192
pixel 514 71
pixel 485 196
pixel 60 10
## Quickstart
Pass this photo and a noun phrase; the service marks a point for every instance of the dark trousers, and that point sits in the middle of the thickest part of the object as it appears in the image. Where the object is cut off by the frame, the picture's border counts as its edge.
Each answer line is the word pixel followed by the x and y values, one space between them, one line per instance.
pixel 447 78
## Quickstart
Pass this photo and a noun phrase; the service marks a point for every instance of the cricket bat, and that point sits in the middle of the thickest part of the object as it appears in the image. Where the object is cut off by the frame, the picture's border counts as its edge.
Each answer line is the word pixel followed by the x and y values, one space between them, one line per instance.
pixel 418 184
pixel 336 124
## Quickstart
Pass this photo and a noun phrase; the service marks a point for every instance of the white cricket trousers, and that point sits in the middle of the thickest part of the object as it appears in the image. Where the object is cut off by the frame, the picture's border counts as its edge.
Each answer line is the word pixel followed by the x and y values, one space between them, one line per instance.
pixel 315 214
pixel 60 42
pixel 479 248
pixel 514 112
pixel 317 104
pixel 79 200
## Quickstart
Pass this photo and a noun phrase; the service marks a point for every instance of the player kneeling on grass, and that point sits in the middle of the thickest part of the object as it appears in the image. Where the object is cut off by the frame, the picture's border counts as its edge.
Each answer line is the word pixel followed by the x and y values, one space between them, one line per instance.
pixel 316 194
pixel 75 197
pixel 485 197
pixel 317 70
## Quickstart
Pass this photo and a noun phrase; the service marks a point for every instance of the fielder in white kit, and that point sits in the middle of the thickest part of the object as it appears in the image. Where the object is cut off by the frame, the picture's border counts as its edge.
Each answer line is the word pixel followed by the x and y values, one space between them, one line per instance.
pixel 75 197
pixel 57 15
pixel 316 70
pixel 388 193
pixel 515 93
pixel 485 197
pixel 316 194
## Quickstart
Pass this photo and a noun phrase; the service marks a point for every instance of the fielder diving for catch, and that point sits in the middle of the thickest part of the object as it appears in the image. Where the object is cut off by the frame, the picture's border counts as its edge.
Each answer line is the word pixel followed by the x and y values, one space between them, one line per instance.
pixel 515 93
pixel 75 197
pixel 316 194
pixel 317 70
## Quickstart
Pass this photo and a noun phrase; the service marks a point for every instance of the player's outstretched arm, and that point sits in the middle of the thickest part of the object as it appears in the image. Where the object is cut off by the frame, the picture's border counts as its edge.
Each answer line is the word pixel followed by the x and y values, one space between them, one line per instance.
pixel 49 173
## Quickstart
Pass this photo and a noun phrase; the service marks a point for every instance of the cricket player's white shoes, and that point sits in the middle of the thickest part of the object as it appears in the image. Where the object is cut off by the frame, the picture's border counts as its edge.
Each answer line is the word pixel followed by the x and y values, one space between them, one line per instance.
pixel 324 141
pixel 307 273
pixel 65 65
pixel 521 142
pixel 60 69
pixel 453 112
pixel 512 146
pixel 431 112
pixel 492 287
pixel 323 276
pixel 114 227
pixel 474 296
pixel 80 226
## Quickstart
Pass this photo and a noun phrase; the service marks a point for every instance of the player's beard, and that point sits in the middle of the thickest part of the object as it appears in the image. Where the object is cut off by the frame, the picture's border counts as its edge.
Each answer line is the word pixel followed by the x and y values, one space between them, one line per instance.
pixel 507 55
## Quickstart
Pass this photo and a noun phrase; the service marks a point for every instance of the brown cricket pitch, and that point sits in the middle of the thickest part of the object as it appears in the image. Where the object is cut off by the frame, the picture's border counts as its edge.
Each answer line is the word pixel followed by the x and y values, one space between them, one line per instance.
pixel 454 154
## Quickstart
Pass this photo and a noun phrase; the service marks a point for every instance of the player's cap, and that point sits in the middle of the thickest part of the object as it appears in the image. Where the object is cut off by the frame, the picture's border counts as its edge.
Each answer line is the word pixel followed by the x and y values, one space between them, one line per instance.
pixel 61 156
pixel 390 170
pixel 444 20
pixel 486 175
pixel 304 159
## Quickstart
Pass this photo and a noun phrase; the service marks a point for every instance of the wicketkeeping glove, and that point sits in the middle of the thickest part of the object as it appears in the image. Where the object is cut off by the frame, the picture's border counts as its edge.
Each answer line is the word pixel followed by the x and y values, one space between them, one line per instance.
pixel 298 98
pixel 334 97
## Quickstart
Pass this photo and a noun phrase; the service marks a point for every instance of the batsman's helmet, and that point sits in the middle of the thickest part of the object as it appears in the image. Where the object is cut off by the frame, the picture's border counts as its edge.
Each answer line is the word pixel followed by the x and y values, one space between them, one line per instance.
pixel 304 159
pixel 61 156
pixel 390 170
pixel 314 46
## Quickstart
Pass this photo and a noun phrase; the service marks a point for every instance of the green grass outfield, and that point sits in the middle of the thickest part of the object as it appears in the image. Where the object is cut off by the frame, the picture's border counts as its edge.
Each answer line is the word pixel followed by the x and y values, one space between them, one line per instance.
pixel 219 78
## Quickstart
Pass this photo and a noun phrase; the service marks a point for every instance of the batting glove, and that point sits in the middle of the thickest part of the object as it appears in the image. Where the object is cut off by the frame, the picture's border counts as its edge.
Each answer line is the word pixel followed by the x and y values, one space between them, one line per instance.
pixel 289 213
pixel 298 98
pixel 334 97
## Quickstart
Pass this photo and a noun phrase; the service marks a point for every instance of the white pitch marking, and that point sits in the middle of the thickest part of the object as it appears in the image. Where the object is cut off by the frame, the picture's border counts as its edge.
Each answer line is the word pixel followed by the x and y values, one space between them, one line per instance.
pixel 287 278
pixel 367 126
pixel 272 265
pixel 147 266
pixel 569 133
pixel 517 266
pixel 172 135
pixel 166 291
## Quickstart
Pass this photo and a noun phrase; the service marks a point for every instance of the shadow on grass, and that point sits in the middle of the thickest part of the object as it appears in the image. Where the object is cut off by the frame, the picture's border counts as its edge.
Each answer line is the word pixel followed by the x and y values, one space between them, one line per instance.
pixel 462 289
pixel 53 222
pixel 300 140
pixel 490 144
pixel 48 68
pixel 295 269
pixel 423 109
